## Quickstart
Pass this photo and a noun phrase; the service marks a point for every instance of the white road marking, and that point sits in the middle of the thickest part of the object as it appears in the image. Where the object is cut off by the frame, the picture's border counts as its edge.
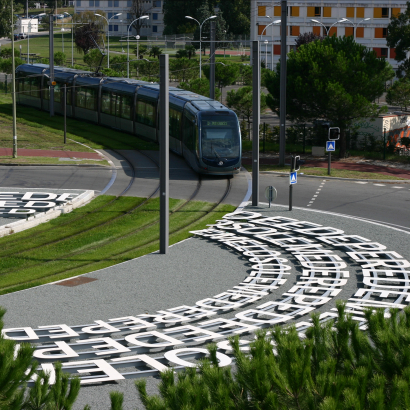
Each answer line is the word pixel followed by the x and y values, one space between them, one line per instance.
pixel 361 182
pixel 379 185
pixel 398 187
pixel 317 192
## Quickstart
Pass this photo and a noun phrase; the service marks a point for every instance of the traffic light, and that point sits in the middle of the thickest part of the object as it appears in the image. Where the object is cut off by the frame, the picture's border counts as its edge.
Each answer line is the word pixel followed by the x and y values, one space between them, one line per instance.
pixel 296 163
pixel 334 133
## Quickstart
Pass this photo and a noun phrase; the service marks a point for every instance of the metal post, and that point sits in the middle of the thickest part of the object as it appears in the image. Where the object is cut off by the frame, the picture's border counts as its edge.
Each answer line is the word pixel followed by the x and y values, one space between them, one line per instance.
pixel 72 42
pixel 256 84
pixel 264 136
pixel 384 144
pixel 200 50
pixel 164 153
pixel 304 138
pixel 51 64
pixel 65 112
pixel 212 66
pixel 329 163
pixel 5 83
pixel 292 162
pixel 13 85
pixel 282 108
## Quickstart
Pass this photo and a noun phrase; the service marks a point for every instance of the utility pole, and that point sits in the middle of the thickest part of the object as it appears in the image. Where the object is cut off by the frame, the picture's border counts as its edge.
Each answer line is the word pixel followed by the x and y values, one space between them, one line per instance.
pixel 13 82
pixel 282 108
pixel 256 108
pixel 212 66
pixel 51 64
pixel 164 154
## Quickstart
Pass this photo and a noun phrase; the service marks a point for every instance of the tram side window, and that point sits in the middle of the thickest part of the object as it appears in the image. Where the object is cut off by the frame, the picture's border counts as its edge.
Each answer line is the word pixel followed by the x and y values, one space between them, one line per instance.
pixel 106 102
pixel 126 104
pixel 30 86
pixel 189 131
pixel 86 98
pixel 146 113
pixel 57 93
pixel 175 123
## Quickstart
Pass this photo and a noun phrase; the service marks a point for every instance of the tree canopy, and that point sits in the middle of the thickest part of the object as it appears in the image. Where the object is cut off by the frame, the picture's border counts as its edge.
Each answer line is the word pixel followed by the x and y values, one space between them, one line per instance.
pixel 398 37
pixel 335 79
pixel 237 14
pixel 5 18
pixel 225 74
pixel 138 8
pixel 92 33
pixel 399 94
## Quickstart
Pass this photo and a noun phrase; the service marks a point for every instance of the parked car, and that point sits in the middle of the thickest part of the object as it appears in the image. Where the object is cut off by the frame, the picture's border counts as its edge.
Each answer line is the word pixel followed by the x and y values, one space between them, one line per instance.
pixel 22 36
pixel 16 37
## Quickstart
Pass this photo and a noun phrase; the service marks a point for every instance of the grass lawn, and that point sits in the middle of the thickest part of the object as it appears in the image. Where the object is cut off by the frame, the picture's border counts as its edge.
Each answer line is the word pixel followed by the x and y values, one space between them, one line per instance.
pixel 339 173
pixel 103 233
pixel 37 130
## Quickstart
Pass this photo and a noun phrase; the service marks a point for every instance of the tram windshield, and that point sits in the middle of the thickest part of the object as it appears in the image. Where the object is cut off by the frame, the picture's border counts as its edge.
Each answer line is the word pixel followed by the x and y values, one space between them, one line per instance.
pixel 220 137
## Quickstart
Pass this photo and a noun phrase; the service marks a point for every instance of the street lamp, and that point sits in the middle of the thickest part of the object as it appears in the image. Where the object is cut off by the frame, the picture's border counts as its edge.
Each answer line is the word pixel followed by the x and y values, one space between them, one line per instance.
pixel 343 20
pixel 327 29
pixel 128 43
pixel 108 24
pixel 200 40
pixel 28 36
pixel 266 42
pixel 72 38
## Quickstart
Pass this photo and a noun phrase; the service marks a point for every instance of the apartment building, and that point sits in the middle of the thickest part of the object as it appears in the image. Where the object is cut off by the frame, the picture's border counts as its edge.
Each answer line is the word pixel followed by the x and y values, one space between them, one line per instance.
pixel 154 26
pixel 366 21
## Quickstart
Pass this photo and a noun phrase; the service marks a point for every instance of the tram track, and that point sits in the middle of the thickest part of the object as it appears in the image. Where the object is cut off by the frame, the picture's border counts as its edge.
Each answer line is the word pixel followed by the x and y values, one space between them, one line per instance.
pixel 127 253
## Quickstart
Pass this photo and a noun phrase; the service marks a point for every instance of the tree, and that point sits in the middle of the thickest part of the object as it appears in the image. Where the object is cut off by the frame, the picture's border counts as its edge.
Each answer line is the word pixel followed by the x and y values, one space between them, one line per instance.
pixel 155 51
pixel 199 86
pixel 183 69
pixel 174 16
pixel 94 59
pixel 316 90
pixel 5 52
pixel 398 37
pixel 241 101
pixel 237 15
pixel 6 64
pixel 92 33
pixel 119 64
pixel 138 9
pixel 5 19
pixel 306 38
pixel 399 93
pixel 59 58
pixel 225 74
pixel 186 52
pixel 141 50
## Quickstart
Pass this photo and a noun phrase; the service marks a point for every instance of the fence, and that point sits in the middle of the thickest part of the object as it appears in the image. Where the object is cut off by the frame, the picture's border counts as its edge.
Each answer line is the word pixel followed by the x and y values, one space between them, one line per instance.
pixel 5 83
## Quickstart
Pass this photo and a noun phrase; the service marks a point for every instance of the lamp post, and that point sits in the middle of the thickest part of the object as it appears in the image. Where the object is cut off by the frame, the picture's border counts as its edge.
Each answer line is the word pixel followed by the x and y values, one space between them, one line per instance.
pixel 72 37
pixel 343 20
pixel 327 29
pixel 200 39
pixel 28 36
pixel 128 43
pixel 266 41
pixel 108 31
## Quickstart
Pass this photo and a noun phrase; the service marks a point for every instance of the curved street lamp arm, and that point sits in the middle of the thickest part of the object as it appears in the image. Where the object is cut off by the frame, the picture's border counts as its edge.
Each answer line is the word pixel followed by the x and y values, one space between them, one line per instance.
pixel 191 18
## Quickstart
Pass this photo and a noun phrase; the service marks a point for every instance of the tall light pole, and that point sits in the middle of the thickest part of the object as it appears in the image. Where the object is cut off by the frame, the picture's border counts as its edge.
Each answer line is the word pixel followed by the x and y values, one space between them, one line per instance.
pixel 200 40
pixel 13 84
pixel 108 31
pixel 327 29
pixel 72 37
pixel 270 24
pixel 343 20
pixel 128 43
pixel 28 36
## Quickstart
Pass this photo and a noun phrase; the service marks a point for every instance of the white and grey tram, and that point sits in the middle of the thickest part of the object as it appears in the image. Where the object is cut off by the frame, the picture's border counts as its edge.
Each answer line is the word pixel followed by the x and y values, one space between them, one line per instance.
pixel 203 131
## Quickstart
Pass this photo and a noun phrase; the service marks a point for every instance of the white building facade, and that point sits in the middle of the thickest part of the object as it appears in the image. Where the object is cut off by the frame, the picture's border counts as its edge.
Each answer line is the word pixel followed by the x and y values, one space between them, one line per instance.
pixel 154 26
pixel 367 21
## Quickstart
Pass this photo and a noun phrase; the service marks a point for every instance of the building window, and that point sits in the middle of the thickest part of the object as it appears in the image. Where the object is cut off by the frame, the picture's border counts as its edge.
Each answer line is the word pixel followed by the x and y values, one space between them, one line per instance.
pixel 392 53
pixel 110 15
pixel 385 12
pixel 314 11
pixel 261 29
pixel 276 49
pixel 155 29
pixel 129 3
pixel 381 13
pixel 109 3
pixel 350 12
pixel 277 11
pixel 318 11
pixel 116 3
pixel 128 16
pixel 91 3
pixel 359 32
pixel 157 3
pixel 261 11
pixel 155 16
pixel 349 31
pixel 360 12
pixel 294 30
pixel 97 3
pixel 110 27
pixel 327 11
pixel 395 12
pixel 78 3
pixel 380 32
pixel 116 27
pixel 294 11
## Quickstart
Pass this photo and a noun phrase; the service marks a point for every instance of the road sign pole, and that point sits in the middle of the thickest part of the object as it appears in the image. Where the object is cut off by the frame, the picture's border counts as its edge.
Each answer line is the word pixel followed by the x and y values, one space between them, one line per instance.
pixel 290 182
pixel 329 163
pixel 256 83
pixel 65 112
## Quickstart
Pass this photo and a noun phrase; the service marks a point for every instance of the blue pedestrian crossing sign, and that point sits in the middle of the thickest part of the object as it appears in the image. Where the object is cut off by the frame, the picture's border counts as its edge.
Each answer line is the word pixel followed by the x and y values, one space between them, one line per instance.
pixel 330 145
pixel 293 178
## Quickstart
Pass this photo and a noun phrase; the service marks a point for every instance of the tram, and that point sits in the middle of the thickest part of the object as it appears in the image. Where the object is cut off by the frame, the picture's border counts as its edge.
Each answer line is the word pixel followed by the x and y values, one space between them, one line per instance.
pixel 203 131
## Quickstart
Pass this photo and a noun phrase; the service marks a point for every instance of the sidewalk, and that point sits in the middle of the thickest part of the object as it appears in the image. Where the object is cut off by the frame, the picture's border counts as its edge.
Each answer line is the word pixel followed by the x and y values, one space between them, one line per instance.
pixel 4 152
pixel 336 164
